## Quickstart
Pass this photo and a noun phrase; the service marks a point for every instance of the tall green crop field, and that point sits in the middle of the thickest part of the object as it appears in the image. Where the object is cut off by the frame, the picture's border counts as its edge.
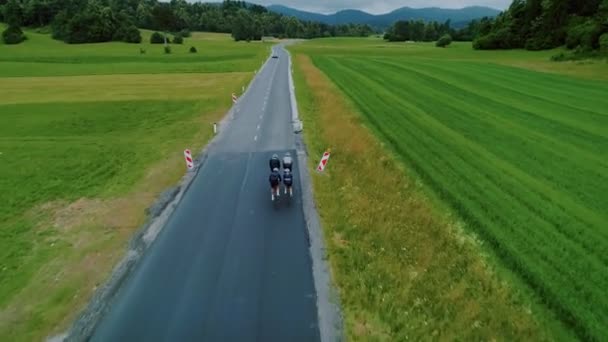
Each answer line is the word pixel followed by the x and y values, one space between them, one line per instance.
pixel 520 156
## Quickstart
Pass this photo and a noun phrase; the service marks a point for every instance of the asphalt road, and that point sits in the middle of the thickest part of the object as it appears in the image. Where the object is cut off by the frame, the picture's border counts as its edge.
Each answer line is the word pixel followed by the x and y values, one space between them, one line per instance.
pixel 229 265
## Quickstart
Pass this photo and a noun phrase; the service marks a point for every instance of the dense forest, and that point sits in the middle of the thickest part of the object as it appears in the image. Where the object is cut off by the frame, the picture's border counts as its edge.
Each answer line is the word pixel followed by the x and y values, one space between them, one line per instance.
pixel 545 24
pixel 530 24
pixel 81 21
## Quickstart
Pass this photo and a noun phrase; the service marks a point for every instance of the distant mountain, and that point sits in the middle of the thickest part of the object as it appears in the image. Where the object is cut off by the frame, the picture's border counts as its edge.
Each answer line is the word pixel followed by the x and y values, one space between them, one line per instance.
pixel 459 17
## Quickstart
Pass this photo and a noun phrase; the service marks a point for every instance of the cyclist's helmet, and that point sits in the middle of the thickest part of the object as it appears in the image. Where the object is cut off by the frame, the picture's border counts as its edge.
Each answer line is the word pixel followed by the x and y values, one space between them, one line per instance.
pixel 275 170
pixel 275 156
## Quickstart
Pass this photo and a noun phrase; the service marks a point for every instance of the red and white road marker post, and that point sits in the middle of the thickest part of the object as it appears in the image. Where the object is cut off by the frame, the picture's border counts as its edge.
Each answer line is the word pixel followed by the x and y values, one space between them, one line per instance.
pixel 323 161
pixel 189 161
pixel 234 98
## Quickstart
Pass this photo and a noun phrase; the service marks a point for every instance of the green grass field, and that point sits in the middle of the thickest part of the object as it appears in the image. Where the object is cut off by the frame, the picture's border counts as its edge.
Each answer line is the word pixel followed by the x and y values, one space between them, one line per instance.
pixel 520 156
pixel 90 135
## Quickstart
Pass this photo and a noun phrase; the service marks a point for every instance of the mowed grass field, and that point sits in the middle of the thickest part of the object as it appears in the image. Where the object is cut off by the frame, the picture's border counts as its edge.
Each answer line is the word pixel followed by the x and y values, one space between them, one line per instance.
pixel 90 135
pixel 520 156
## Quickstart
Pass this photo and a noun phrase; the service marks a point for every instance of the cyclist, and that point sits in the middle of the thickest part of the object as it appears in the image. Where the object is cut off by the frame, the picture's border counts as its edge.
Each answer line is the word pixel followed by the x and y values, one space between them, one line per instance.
pixel 275 162
pixel 287 161
pixel 275 180
pixel 288 181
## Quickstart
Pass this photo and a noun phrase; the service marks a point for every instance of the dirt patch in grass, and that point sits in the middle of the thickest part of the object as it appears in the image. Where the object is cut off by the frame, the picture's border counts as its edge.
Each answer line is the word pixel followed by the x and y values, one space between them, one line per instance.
pixel 404 270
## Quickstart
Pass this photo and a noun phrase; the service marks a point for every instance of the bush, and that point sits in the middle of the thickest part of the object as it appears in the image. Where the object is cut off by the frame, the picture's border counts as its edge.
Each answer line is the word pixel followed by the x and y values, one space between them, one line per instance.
pixel 585 34
pixel 142 51
pixel 487 42
pixel 157 38
pixel 193 49
pixel 444 41
pixel 13 35
pixel 178 39
pixel 129 34
pixel 167 50
pixel 560 57
pixel 185 33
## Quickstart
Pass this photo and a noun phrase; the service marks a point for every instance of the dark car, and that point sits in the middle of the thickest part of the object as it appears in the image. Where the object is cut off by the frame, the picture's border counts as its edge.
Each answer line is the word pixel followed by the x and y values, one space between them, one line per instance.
pixel 275 56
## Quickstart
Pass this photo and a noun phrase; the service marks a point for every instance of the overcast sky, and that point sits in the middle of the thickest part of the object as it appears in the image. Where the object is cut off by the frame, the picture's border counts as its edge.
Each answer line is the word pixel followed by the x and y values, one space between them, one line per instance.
pixel 379 6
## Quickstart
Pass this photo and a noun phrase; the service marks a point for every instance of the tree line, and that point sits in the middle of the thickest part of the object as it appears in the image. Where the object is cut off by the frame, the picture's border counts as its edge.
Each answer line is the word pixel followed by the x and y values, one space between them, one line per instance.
pixel 529 24
pixel 83 21
pixel 417 30
pixel 546 24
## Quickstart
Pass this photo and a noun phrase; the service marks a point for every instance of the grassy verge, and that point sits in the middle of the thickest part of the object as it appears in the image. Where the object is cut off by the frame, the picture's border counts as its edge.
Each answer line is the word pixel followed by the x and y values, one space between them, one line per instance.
pixel 404 271
pixel 518 155
pixel 83 156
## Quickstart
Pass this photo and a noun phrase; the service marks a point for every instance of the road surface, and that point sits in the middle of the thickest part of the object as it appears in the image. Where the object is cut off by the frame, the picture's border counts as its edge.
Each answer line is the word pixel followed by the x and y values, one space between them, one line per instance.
pixel 229 265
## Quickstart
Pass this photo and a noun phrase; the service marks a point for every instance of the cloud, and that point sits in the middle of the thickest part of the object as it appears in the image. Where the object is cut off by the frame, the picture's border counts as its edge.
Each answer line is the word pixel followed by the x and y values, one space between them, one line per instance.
pixel 377 7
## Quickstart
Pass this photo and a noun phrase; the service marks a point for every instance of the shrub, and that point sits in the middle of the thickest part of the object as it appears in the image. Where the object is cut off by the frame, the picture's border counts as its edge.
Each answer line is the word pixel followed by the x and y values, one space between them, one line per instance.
pixel 13 35
pixel 560 57
pixel 185 33
pixel 129 34
pixel 178 39
pixel 193 49
pixel 157 38
pixel 444 41
pixel 142 51
pixel 585 34
pixel 167 50
pixel 486 42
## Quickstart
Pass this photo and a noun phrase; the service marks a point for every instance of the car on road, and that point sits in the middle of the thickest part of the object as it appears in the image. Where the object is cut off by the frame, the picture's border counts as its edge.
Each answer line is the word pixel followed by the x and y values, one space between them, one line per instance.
pixel 275 56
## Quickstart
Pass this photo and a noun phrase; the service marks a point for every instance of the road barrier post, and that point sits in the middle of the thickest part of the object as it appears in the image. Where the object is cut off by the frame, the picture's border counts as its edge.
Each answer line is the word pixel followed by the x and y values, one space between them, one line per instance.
pixel 323 161
pixel 189 160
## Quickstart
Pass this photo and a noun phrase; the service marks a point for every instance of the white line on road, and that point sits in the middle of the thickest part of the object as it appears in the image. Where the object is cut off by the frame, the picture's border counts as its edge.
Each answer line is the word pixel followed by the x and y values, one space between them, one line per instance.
pixel 255 138
pixel 257 129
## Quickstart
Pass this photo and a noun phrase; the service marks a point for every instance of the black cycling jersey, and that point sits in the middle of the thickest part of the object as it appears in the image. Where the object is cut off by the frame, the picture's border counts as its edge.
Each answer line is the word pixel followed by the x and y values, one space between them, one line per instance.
pixel 274 164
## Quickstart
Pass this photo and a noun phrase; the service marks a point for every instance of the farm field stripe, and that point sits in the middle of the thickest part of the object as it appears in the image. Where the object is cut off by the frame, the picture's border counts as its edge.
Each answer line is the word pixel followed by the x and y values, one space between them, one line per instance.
pixel 574 170
pixel 583 217
pixel 529 110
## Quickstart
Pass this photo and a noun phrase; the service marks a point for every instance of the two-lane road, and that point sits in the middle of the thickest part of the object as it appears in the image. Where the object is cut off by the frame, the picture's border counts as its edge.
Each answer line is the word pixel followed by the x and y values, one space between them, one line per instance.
pixel 228 266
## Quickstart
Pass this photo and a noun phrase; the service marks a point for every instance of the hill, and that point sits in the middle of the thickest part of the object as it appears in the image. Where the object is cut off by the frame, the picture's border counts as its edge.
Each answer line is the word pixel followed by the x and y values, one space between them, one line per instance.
pixel 459 17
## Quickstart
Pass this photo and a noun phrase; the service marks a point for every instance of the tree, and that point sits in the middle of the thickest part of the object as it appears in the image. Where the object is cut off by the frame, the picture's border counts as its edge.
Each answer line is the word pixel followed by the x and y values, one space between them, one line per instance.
pixel 604 43
pixel 129 34
pixel 444 41
pixel 178 39
pixel 13 13
pixel 431 32
pixel 157 38
pixel 545 24
pixel 79 21
pixel 13 35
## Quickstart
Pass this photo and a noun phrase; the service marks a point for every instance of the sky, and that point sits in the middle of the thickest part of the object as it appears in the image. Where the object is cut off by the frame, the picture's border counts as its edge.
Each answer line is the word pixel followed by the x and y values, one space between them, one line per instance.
pixel 379 6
